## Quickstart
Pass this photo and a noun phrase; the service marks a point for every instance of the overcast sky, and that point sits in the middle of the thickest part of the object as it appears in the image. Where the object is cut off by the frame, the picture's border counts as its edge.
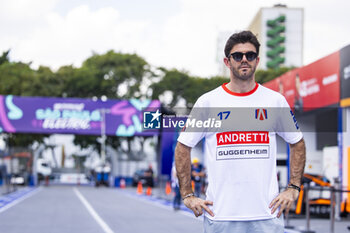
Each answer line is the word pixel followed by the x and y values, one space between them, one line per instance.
pixel 178 34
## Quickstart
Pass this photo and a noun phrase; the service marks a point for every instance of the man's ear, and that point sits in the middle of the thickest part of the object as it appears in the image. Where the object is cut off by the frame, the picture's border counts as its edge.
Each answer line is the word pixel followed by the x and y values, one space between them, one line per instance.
pixel 227 62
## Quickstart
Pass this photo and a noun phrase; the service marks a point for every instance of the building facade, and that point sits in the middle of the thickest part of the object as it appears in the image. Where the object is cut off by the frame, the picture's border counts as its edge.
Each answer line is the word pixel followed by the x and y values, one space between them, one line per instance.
pixel 280 32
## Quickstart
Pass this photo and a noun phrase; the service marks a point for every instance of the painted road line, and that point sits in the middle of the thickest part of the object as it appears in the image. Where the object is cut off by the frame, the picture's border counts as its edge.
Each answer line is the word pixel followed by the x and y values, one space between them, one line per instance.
pixel 13 199
pixel 93 213
pixel 159 202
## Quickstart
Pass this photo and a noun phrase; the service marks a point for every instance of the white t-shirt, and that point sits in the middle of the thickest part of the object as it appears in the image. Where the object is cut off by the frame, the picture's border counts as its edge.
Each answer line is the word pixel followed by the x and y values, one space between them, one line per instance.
pixel 241 154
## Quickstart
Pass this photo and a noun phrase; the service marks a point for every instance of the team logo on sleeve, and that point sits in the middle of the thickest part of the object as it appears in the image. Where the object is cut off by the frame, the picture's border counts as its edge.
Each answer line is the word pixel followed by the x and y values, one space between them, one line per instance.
pixel 260 114
pixel 294 119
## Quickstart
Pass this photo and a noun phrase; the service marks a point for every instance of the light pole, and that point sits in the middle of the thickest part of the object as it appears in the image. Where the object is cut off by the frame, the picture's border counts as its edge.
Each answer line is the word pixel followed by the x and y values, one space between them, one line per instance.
pixel 103 112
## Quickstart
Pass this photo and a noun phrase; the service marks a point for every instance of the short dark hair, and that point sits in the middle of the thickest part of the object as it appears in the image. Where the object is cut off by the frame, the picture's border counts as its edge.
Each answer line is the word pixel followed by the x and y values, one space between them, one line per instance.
pixel 241 38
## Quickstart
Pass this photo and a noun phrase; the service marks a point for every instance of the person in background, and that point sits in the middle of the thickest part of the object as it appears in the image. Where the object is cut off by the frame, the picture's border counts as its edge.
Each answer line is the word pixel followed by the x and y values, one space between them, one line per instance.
pixel 198 176
pixel 149 176
pixel 298 99
pixel 176 188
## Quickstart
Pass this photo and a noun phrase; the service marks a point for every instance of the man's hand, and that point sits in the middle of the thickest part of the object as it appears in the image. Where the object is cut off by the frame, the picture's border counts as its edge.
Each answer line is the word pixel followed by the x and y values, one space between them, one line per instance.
pixel 284 200
pixel 183 169
pixel 197 205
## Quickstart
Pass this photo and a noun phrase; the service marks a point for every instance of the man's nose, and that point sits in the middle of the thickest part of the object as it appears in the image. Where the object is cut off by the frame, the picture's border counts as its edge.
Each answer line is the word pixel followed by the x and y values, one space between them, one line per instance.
pixel 244 59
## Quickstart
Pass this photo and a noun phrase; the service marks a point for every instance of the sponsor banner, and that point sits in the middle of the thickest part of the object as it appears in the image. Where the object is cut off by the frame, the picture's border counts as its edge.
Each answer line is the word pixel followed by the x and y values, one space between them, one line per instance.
pixel 73 116
pixel 319 82
pixel 313 86
pixel 243 152
pixel 285 85
pixel 345 76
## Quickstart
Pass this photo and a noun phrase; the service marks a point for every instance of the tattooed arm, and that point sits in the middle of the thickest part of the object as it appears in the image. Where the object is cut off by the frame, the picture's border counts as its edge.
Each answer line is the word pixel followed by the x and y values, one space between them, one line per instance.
pixel 298 158
pixel 183 170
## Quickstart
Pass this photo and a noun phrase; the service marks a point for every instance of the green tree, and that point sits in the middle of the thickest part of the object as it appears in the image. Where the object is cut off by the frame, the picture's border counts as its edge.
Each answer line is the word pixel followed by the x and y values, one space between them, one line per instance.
pixel 175 81
pixel 23 140
pixel 20 79
pixel 16 78
pixel 182 85
pixel 263 76
pixel 4 57
pixel 104 75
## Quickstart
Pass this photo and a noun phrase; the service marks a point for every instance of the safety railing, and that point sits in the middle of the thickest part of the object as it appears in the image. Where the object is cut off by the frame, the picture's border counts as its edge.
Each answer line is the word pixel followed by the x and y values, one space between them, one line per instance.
pixel 334 205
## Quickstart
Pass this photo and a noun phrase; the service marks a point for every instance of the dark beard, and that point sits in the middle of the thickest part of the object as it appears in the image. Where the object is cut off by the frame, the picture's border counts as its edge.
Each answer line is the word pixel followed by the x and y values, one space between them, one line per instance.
pixel 247 76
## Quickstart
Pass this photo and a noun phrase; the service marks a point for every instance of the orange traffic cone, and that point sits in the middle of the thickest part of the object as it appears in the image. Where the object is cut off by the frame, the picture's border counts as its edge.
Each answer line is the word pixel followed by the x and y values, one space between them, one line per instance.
pixel 139 189
pixel 167 188
pixel 192 183
pixel 122 183
pixel 149 191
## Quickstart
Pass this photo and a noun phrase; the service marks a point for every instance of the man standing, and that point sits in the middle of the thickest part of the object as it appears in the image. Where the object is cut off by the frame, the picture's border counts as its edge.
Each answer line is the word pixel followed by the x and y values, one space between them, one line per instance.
pixel 149 176
pixel 242 193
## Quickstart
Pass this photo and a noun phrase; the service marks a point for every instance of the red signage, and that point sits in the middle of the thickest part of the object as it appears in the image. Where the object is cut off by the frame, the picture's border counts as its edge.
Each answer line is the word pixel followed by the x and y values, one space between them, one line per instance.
pixel 313 86
pixel 319 82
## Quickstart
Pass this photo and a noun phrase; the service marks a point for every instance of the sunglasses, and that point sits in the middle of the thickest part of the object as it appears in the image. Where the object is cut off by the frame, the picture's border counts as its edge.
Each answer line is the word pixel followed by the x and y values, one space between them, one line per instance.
pixel 238 56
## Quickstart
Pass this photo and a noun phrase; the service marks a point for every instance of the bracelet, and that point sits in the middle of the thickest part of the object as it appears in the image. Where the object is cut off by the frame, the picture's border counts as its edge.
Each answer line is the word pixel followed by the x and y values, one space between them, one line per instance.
pixel 188 195
pixel 293 186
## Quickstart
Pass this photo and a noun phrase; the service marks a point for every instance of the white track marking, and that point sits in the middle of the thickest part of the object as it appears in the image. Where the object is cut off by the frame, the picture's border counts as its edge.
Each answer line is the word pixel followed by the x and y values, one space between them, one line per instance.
pixel 154 203
pixel 93 213
pixel 15 202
